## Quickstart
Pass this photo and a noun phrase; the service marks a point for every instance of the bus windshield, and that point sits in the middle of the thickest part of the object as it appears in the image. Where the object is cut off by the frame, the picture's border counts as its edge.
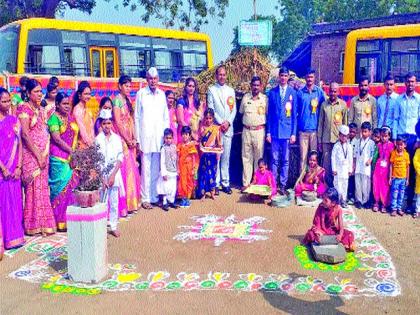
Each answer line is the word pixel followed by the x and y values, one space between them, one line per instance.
pixel 8 52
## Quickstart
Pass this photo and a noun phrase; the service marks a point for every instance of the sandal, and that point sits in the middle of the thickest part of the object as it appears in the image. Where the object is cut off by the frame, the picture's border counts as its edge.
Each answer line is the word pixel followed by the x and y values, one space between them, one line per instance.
pixel 415 215
pixel 393 213
pixel 375 208
pixel 146 205
pixel 400 213
pixel 383 210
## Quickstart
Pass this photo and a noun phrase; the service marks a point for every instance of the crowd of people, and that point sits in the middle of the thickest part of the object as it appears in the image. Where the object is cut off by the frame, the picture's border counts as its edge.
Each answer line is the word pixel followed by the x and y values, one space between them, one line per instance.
pixel 184 148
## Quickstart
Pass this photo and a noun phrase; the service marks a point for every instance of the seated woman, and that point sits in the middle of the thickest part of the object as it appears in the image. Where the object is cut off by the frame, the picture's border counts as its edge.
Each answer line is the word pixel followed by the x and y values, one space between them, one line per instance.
pixel 263 176
pixel 328 220
pixel 313 179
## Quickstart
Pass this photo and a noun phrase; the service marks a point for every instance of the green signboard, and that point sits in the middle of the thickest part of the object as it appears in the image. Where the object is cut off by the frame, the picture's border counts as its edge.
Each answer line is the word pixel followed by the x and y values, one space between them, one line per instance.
pixel 255 33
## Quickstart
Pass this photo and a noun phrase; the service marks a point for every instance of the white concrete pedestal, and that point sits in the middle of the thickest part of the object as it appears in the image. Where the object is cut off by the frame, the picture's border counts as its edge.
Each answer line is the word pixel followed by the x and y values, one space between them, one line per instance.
pixel 87 243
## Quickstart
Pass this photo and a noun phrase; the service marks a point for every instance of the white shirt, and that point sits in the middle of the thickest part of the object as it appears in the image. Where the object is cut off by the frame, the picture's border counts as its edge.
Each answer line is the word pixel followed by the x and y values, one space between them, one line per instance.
pixel 221 98
pixel 342 159
pixel 365 149
pixel 112 150
pixel 151 118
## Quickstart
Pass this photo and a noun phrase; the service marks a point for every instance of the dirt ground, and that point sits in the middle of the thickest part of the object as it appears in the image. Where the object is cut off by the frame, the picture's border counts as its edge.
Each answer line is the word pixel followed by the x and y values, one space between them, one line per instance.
pixel 147 241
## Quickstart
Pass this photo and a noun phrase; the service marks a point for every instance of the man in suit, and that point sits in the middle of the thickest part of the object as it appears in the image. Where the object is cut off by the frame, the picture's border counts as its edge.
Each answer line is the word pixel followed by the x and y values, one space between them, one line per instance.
pixel 281 126
pixel 221 98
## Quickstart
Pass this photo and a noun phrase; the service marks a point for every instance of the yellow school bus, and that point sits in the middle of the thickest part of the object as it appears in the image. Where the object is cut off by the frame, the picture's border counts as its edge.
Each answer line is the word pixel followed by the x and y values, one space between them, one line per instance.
pixel 72 48
pixel 374 52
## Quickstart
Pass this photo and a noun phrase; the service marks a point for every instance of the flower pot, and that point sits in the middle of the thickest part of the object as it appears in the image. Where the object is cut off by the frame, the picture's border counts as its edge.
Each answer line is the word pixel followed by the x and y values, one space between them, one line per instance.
pixel 86 199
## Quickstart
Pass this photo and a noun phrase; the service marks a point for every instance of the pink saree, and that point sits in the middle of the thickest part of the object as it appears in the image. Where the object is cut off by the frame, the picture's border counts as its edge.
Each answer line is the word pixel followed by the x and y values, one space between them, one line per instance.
pixel 38 216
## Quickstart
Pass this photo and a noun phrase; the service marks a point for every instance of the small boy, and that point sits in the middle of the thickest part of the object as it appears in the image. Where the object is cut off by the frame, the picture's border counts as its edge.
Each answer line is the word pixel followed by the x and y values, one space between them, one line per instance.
pixel 353 131
pixel 110 146
pixel 342 163
pixel 365 148
pixel 416 162
pixel 400 174
pixel 166 184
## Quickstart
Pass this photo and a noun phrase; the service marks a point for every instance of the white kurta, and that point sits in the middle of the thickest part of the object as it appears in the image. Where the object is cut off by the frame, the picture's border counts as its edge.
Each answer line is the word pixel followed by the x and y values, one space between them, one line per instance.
pixel 167 187
pixel 342 163
pixel 112 150
pixel 365 149
pixel 151 117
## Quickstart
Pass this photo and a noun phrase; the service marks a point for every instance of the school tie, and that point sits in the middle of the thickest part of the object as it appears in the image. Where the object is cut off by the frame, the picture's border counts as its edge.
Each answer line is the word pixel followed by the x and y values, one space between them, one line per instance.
pixel 386 111
pixel 283 94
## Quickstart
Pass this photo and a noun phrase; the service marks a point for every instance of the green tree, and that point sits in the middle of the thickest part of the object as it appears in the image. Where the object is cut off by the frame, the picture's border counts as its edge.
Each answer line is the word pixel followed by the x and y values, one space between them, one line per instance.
pixel 191 14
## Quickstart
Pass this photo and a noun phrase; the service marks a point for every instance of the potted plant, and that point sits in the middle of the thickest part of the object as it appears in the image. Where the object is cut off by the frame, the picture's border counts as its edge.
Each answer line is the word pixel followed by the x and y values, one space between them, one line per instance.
pixel 88 164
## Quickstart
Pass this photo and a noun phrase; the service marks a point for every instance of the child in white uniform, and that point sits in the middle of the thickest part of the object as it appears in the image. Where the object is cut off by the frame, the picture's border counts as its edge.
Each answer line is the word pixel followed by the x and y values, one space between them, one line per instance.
pixel 166 184
pixel 342 164
pixel 363 155
pixel 110 146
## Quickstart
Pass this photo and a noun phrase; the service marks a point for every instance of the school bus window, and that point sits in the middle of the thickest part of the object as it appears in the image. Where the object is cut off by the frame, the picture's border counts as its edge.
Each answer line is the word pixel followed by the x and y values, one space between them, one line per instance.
pixel 134 41
pixel 8 52
pixel 44 36
pixel 99 37
pixel 367 45
pixel 43 59
pixel 194 46
pixel 78 38
pixel 162 43
pixel 96 63
pixel 75 61
pixel 134 62
pixel 194 61
pixel 110 63
pixel 404 45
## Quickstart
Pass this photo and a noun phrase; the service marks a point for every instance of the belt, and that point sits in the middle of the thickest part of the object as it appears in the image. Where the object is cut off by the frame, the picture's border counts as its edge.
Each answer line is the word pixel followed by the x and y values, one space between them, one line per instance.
pixel 254 127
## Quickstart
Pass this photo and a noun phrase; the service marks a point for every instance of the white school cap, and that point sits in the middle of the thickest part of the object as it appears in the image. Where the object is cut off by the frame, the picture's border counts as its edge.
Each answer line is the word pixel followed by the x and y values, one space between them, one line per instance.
pixel 152 72
pixel 105 114
pixel 344 130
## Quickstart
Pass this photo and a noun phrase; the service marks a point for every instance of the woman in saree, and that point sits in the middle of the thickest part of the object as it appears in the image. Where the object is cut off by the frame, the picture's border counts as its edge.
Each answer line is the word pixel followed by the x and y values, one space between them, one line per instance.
pixel 173 122
pixel 11 211
pixel 83 116
pixel 49 101
pixel 328 220
pixel 62 179
pixel 189 110
pixel 209 139
pixel 38 216
pixel 124 125
pixel 313 179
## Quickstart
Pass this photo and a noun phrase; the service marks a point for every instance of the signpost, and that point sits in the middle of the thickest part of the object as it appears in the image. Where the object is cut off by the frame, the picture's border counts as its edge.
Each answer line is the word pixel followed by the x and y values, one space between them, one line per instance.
pixel 255 33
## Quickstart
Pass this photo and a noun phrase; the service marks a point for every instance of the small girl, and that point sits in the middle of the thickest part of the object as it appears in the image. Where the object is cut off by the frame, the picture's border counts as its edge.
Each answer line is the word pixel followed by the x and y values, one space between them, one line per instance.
pixel 166 184
pixel 400 174
pixel 188 160
pixel 263 176
pixel 313 179
pixel 110 145
pixel 328 220
pixel 209 143
pixel 106 103
pixel 381 171
pixel 377 138
pixel 173 122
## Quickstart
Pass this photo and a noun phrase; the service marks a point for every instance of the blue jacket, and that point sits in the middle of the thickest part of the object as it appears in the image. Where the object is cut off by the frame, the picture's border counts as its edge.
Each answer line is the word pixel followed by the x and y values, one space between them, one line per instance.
pixel 307 119
pixel 280 124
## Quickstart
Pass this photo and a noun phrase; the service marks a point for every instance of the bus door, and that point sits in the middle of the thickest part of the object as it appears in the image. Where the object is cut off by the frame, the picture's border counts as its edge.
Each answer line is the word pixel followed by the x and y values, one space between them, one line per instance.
pixel 368 65
pixel 103 62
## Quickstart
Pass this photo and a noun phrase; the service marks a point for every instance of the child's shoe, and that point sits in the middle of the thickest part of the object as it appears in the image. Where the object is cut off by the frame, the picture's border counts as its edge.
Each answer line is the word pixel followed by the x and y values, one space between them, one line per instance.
pixel 393 213
pixel 165 207
pixel 375 208
pixel 400 213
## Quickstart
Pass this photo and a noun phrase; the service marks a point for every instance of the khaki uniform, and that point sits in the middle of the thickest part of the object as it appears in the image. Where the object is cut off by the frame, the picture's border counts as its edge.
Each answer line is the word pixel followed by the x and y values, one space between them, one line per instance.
pixel 331 117
pixel 253 135
pixel 363 110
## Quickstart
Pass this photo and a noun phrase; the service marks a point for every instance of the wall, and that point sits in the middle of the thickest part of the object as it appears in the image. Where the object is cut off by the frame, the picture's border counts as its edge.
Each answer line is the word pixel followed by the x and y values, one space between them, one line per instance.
pixel 325 56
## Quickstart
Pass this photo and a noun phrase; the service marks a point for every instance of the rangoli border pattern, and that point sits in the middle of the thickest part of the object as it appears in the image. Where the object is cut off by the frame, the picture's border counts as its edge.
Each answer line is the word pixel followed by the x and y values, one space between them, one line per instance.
pixel 375 263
